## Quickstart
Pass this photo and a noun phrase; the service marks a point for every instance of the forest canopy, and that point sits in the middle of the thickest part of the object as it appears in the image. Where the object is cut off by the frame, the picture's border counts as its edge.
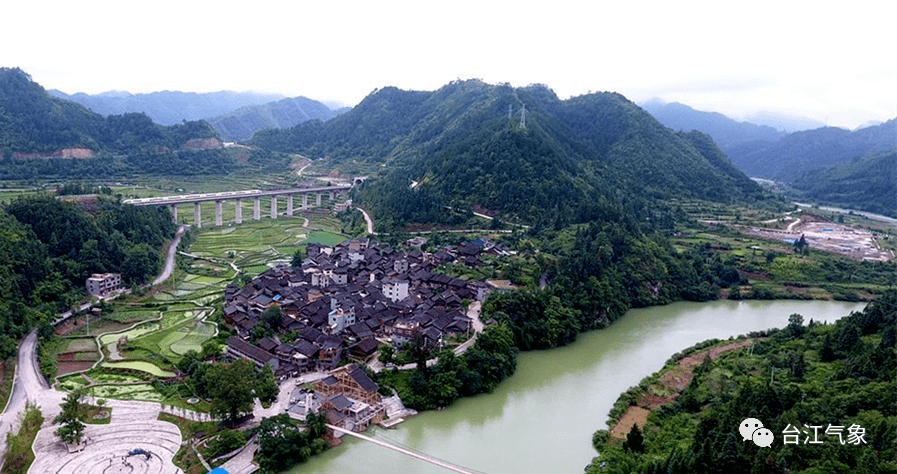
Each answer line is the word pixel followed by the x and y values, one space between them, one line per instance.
pixel 49 247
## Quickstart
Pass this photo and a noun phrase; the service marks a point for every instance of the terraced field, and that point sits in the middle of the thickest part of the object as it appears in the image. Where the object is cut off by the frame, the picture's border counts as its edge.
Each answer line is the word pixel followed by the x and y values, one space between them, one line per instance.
pixel 153 332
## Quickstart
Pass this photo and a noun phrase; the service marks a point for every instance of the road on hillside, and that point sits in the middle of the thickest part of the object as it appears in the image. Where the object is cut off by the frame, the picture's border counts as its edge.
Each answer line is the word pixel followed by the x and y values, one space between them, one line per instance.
pixel 169 259
pixel 367 218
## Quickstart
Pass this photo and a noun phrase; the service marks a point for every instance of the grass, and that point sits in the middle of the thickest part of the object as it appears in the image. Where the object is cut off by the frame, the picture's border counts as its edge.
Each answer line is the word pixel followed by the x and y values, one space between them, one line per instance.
pixel 139 365
pixel 95 415
pixel 126 392
pixel 186 458
pixel 7 373
pixel 19 456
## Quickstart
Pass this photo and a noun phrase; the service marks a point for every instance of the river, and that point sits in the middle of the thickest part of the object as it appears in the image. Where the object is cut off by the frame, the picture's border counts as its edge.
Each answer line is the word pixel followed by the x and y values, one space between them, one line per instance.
pixel 541 419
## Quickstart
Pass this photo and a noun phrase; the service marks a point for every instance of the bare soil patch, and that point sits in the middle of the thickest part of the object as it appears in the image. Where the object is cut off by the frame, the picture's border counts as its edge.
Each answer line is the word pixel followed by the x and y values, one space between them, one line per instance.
pixel 66 367
pixel 633 416
pixel 667 388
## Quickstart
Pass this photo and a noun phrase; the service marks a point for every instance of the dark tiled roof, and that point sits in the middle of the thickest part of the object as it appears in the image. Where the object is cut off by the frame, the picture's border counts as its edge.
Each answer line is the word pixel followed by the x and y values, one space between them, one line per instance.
pixel 362 379
pixel 249 350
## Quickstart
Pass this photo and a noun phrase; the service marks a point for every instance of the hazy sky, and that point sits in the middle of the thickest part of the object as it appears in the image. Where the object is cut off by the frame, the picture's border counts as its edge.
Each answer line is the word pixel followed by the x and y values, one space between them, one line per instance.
pixel 830 61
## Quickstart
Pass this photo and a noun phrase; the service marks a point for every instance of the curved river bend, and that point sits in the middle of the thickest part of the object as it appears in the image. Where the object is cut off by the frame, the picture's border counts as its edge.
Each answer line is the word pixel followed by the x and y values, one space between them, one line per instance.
pixel 541 419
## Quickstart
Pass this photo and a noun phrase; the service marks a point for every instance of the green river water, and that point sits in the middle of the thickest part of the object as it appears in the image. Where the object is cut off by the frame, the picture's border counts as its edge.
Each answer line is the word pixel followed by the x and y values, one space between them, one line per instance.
pixel 541 419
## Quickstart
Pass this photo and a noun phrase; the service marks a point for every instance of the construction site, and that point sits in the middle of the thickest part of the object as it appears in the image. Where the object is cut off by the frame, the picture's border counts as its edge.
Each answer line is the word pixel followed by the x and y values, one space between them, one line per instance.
pixel 822 234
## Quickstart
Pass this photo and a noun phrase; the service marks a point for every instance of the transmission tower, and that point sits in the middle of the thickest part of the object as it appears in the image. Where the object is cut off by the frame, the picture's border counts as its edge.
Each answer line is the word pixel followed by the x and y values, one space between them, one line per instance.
pixel 523 116
pixel 510 112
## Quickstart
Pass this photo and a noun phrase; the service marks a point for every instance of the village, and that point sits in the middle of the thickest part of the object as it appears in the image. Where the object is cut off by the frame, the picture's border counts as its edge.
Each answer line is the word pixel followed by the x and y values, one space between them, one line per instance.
pixel 341 305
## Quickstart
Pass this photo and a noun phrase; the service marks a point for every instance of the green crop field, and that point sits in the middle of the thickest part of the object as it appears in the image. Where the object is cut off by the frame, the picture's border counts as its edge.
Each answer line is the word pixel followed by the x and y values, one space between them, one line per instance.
pixel 171 320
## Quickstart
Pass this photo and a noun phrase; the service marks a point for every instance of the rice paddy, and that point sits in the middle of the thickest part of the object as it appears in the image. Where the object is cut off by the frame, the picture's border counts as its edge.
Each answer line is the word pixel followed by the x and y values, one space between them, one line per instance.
pixel 154 332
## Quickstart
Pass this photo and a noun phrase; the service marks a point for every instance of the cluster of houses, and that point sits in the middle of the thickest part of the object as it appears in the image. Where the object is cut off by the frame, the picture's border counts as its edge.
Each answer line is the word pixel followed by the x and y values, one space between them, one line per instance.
pixel 344 301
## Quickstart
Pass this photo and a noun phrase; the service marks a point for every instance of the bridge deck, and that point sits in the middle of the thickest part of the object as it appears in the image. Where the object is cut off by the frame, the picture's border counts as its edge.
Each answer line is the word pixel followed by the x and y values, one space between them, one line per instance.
pixel 421 456
pixel 187 198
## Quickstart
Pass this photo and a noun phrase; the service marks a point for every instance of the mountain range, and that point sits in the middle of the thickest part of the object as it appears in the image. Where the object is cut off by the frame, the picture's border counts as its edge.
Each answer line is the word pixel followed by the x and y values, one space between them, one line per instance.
pixel 168 107
pixel 764 152
pixel 470 144
pixel 241 124
pixel 234 115
pixel 32 121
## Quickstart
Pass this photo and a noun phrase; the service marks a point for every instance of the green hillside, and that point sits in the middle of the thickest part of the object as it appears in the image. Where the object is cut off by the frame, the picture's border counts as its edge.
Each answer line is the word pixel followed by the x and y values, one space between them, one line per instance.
pixel 464 146
pixel 867 184
pixel 241 124
pixel 31 121
pixel 841 378
pixel 786 159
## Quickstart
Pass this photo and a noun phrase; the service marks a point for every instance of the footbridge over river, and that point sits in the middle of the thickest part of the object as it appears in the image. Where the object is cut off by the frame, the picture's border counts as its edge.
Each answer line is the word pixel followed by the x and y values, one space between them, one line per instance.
pixel 405 451
pixel 237 197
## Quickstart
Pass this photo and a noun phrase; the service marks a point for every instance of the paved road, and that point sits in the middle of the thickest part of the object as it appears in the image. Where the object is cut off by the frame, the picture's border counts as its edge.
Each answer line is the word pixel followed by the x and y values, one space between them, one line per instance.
pixel 367 218
pixel 29 385
pixel 169 259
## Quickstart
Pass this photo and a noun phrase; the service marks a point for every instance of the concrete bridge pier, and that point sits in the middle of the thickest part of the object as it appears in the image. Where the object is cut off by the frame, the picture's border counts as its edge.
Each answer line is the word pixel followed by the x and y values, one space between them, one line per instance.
pixel 197 215
pixel 274 207
pixel 290 205
pixel 174 212
pixel 238 211
pixel 319 199
pixel 304 201
pixel 218 220
pixel 256 210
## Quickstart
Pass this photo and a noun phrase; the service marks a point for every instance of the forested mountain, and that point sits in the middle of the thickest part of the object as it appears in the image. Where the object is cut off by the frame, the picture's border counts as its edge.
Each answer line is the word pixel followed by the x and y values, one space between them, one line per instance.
pixel 242 123
pixel 788 158
pixel 464 146
pixel 725 131
pixel 827 393
pixel 31 121
pixel 169 107
pixel 868 183
pixel 49 247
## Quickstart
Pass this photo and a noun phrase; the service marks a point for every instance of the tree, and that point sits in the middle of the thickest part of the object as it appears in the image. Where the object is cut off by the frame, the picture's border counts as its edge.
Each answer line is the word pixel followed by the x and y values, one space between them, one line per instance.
pixel 796 325
pixel 140 261
pixel 266 388
pixel 272 316
pixel 298 257
pixel 635 441
pixel 72 429
pixel 231 387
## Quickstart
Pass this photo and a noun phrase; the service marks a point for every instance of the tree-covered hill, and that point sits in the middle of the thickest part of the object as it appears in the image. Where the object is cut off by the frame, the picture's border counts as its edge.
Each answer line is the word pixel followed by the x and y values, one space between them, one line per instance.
pixel 48 248
pixel 32 121
pixel 463 145
pixel 816 387
pixel 241 124
pixel 868 184
pixel 788 158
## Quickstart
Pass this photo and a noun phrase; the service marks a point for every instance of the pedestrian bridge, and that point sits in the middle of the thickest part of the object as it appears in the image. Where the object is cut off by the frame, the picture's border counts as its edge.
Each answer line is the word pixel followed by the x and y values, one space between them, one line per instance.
pixel 405 451
pixel 237 197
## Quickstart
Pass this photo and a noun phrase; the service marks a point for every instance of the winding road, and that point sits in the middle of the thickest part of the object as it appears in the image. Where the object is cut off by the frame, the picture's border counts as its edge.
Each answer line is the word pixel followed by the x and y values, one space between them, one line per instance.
pixel 169 258
pixel 30 386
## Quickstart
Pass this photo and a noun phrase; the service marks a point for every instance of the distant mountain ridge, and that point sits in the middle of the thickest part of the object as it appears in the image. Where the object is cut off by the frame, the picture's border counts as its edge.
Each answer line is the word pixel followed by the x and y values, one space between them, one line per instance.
pixel 788 158
pixel 868 184
pixel 32 122
pixel 241 124
pixel 763 152
pixel 726 132
pixel 168 107
pixel 464 145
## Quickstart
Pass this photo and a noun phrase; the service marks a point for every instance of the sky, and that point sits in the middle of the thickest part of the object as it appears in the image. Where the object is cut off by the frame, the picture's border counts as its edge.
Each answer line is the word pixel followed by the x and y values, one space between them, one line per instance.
pixel 829 61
